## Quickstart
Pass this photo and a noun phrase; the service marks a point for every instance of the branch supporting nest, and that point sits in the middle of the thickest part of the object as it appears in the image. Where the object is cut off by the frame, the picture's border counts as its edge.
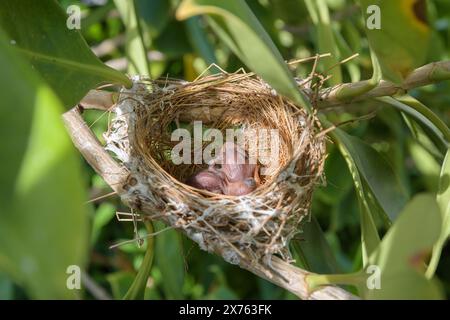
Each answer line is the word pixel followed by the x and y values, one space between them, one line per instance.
pixel 276 270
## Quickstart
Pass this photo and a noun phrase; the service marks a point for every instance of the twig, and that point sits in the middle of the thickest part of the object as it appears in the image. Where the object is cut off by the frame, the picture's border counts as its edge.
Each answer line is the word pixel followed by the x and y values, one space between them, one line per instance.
pixel 95 155
pixel 97 292
pixel 428 74
pixel 280 273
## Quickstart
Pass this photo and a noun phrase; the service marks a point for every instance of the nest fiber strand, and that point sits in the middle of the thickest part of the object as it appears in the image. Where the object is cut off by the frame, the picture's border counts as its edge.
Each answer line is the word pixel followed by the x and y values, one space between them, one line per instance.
pixel 252 226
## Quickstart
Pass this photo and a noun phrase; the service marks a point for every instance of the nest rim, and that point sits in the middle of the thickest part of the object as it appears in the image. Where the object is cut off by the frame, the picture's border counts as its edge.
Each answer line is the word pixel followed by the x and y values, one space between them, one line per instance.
pixel 197 199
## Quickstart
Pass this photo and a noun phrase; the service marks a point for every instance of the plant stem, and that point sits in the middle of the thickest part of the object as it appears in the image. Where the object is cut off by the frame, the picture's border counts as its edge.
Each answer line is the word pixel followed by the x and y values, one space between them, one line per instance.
pixel 137 288
pixel 316 280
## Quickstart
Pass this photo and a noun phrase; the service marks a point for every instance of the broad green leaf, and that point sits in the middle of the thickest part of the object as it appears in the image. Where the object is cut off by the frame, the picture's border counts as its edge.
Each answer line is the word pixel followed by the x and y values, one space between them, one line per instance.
pixel 238 27
pixel 401 43
pixel 426 164
pixel 169 259
pixel 369 234
pixel 314 249
pixel 43 221
pixel 137 288
pixel 401 253
pixel 318 10
pixel 406 284
pixel 338 181
pixel 173 41
pixel 377 173
pixel 155 14
pixel 135 45
pixel 423 137
pixel 200 41
pixel 59 54
pixel 421 116
pixel 443 200
pixel 428 113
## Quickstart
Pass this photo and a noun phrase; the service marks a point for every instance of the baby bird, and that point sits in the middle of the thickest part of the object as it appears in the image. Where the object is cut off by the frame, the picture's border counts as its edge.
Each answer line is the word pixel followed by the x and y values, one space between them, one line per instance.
pixel 228 173
pixel 207 180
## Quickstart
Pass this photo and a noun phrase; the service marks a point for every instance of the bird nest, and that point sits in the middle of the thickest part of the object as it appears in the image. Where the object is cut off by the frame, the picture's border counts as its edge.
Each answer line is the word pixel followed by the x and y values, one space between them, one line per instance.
pixel 252 226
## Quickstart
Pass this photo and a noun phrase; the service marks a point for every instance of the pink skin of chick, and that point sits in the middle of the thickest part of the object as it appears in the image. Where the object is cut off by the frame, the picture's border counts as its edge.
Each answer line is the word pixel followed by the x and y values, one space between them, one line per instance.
pixel 227 174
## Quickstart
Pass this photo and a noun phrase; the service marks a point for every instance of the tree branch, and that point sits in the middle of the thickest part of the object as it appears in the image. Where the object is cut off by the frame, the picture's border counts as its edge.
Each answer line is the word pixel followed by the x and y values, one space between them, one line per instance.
pixel 328 97
pixel 428 74
pixel 280 273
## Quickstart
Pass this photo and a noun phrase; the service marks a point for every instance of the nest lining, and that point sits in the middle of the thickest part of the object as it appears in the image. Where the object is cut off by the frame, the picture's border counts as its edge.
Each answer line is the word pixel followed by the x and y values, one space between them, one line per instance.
pixel 252 226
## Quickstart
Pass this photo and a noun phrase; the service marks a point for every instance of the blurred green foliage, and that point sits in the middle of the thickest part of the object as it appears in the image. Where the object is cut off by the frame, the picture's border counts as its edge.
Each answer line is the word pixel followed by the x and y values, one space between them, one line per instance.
pixel 392 157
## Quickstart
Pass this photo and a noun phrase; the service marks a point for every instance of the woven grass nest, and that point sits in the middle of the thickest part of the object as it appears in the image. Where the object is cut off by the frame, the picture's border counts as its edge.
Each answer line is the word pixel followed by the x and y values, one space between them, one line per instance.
pixel 253 226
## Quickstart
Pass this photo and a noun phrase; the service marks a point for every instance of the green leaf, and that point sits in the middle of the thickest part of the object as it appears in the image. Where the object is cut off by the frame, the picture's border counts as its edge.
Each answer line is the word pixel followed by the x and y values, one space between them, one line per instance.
pixel 443 200
pixel 38 31
pixel 137 288
pixel 423 137
pixel 42 194
pixel 169 259
pixel 238 27
pixel 120 283
pixel 103 215
pixel 155 14
pixel 377 173
pixel 422 116
pixel 401 253
pixel 135 46
pixel 401 43
pixel 426 164
pixel 428 113
pixel 369 234
pixel 318 10
pixel 314 249
pixel 200 41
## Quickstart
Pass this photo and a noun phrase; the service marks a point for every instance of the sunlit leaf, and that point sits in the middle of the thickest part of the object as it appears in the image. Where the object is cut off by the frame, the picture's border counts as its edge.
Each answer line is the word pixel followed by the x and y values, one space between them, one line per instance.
pixel 443 200
pixel 318 10
pixel 42 206
pixel 403 249
pixel 135 45
pixel 401 43
pixel 237 26
pixel 60 55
